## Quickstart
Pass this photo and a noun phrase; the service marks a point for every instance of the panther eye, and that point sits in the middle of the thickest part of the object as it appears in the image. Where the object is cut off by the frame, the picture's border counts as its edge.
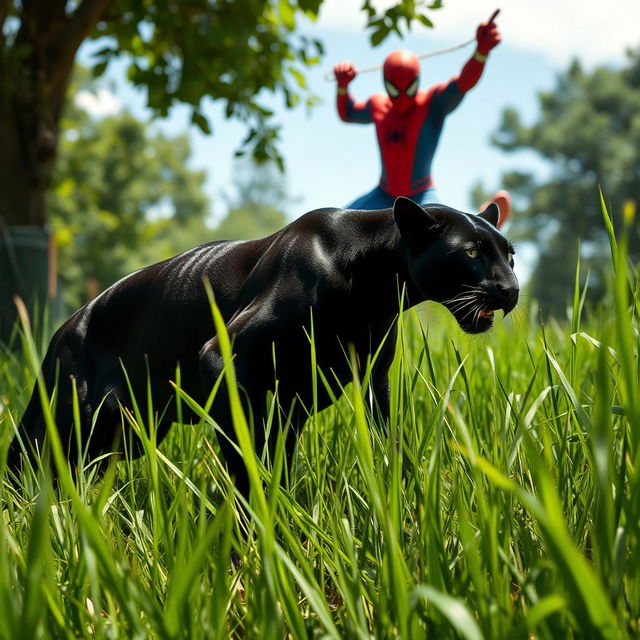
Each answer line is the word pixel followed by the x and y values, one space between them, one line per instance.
pixel 510 257
pixel 472 252
pixel 412 88
pixel 391 88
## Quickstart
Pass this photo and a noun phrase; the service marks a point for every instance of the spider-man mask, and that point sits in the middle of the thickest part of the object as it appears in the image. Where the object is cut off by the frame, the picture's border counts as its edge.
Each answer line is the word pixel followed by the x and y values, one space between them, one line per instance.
pixel 401 74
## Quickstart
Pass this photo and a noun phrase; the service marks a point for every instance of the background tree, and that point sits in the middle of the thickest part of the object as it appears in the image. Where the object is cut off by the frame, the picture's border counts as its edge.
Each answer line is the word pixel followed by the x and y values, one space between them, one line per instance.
pixel 589 132
pixel 122 197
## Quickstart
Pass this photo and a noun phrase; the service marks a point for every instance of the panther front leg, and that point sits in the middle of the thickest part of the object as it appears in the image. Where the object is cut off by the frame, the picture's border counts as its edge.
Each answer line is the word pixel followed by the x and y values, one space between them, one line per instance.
pixel 381 393
pixel 254 333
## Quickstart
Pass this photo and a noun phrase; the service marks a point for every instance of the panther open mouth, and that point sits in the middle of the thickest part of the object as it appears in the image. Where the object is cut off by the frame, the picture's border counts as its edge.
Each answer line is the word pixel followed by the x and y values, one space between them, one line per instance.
pixel 472 310
pixel 478 322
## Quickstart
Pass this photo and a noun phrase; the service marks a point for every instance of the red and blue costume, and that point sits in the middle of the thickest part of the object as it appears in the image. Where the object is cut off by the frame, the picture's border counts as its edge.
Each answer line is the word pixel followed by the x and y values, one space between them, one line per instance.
pixel 409 122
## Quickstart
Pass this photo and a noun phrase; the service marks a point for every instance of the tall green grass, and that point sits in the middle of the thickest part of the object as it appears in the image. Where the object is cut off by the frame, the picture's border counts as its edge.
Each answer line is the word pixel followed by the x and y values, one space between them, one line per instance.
pixel 502 502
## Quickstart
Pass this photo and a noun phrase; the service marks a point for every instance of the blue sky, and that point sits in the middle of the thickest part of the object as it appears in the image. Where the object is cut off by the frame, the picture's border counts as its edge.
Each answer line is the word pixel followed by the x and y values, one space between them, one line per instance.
pixel 329 162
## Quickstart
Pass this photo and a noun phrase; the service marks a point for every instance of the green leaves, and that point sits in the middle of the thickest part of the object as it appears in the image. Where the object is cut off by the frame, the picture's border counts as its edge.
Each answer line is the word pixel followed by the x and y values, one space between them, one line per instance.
pixel 230 51
pixel 395 17
pixel 201 122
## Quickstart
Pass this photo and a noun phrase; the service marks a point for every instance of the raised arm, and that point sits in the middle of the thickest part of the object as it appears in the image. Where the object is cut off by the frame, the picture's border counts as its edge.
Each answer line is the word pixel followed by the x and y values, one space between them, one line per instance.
pixel 348 109
pixel 487 37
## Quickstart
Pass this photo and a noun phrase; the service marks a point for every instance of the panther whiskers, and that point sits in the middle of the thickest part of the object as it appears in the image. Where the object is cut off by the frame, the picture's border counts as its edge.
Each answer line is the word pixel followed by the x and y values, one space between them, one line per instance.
pixel 464 299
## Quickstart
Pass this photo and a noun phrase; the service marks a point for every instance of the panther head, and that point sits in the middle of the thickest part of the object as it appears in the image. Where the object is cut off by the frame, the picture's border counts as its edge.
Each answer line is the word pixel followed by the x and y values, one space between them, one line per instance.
pixel 460 260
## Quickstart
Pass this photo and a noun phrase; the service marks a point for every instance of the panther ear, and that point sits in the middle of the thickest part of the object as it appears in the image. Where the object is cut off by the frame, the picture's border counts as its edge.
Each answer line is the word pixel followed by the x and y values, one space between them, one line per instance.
pixel 491 214
pixel 415 223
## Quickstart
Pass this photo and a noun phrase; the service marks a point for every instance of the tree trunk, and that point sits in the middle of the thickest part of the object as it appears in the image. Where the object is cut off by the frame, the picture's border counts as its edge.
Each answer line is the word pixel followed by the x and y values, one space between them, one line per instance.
pixel 35 69
pixel 34 74
pixel 29 134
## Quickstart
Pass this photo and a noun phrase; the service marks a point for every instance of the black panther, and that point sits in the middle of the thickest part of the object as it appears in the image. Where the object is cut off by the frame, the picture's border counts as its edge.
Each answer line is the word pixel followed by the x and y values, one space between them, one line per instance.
pixel 342 269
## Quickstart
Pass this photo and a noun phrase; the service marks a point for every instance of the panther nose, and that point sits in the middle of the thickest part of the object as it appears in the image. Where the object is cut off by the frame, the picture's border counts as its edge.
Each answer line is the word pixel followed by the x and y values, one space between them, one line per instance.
pixel 508 295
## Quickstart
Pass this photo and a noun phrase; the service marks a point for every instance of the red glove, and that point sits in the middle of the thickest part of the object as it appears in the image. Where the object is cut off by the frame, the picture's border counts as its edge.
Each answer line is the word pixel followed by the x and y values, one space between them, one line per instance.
pixel 345 73
pixel 487 35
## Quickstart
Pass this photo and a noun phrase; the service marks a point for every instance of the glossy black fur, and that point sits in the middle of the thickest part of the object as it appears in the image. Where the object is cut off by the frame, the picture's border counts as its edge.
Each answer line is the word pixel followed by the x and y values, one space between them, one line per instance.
pixel 346 266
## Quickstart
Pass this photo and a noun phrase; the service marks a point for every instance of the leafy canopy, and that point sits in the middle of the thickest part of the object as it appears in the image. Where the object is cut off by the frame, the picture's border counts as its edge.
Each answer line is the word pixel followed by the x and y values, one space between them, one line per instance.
pixel 238 52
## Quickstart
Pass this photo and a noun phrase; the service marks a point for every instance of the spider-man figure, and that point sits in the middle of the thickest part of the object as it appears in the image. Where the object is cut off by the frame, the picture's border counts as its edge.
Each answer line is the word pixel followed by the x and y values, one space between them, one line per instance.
pixel 409 122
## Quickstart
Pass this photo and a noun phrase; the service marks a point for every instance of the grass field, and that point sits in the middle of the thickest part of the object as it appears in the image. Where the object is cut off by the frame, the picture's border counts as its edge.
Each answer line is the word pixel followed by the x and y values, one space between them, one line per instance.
pixel 503 502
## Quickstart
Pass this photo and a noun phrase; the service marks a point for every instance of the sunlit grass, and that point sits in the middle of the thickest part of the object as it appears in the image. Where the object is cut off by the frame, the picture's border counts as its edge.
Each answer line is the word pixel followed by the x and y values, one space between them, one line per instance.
pixel 503 501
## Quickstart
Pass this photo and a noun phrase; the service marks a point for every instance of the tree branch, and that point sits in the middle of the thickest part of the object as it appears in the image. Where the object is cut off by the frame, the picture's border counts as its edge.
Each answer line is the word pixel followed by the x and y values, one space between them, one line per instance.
pixel 83 20
pixel 79 25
